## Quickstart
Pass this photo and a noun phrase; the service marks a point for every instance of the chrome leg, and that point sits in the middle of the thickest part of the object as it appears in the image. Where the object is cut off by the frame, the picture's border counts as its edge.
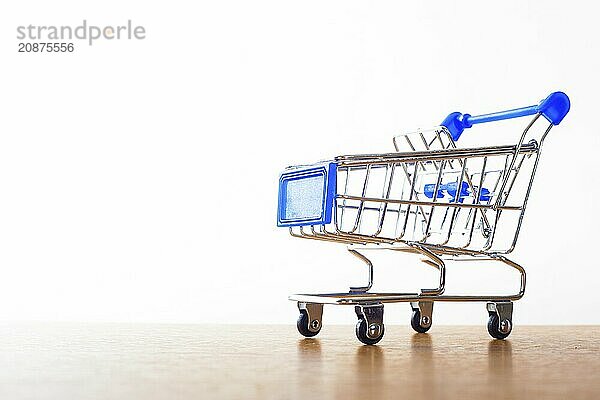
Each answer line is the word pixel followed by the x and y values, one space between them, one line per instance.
pixel 439 264
pixel 362 289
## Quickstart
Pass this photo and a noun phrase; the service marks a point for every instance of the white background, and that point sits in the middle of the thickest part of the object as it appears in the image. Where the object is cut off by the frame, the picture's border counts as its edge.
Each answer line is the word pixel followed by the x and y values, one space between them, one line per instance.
pixel 138 179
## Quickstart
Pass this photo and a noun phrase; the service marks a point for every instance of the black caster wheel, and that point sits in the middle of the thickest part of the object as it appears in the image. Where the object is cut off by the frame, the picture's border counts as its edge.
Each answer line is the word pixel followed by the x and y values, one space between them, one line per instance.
pixel 415 322
pixel 303 324
pixel 497 329
pixel 369 334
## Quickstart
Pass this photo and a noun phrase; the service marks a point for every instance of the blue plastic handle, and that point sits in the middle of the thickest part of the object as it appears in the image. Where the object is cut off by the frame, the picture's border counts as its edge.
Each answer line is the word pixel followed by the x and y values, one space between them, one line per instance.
pixel 553 108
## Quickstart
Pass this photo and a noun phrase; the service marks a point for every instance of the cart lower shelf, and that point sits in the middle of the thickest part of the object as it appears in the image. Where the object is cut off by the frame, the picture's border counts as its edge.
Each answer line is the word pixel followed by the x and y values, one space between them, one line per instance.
pixel 369 310
pixel 362 298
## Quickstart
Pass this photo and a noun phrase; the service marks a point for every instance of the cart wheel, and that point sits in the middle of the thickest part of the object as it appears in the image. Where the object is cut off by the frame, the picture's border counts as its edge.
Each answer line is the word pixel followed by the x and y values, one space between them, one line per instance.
pixel 371 334
pixel 498 330
pixel 303 322
pixel 415 322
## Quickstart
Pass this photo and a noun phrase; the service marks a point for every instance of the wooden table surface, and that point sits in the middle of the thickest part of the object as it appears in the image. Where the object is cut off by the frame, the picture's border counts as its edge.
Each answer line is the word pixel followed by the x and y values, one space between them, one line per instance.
pixel 115 361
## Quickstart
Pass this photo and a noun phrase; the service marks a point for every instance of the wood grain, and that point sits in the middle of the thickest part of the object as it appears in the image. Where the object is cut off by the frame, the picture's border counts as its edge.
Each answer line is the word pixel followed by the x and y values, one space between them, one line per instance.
pixel 115 361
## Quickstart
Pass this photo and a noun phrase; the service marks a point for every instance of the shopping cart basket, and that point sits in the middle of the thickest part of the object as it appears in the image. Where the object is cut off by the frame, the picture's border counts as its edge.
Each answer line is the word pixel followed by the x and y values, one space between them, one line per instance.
pixel 429 198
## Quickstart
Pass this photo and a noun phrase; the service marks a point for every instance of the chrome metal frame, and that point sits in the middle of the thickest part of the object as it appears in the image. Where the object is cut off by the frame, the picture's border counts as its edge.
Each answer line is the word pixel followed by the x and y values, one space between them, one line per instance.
pixel 435 156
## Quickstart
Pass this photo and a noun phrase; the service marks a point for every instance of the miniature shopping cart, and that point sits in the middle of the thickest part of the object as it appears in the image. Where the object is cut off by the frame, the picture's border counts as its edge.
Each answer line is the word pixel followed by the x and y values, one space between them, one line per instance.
pixel 429 198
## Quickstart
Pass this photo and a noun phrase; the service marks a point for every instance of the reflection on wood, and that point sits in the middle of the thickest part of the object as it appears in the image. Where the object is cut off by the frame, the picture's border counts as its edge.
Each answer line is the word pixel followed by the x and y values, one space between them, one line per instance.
pixel 111 361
